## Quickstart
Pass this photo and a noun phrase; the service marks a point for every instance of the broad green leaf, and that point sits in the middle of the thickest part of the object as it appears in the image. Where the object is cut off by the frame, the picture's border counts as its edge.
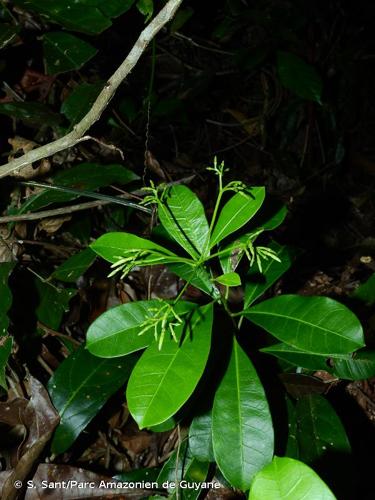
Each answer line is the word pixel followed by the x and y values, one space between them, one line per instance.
pixel 288 479
pixel 318 325
pixel 296 357
pixel 181 18
pixel 86 176
pixel 5 295
pixel 116 332
pixel 237 212
pixel 64 52
pixel 229 279
pixel 198 277
pixel 5 351
pixel 299 77
pixel 53 303
pixel 75 15
pixel 114 8
pixel 366 291
pixel 360 366
pixel 70 270
pixel 320 430
pixel 163 380
pixel 8 33
pixel 79 388
pixel 80 101
pixel 34 113
pixel 182 466
pixel 242 431
pixel 272 217
pixel 292 449
pixel 200 438
pixel 146 7
pixel 182 215
pixel 257 283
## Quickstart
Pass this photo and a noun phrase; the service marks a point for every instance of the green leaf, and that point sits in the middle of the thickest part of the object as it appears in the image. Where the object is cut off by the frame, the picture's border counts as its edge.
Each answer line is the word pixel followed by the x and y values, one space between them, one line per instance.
pixel 64 52
pixel 358 367
pixel 296 357
pixel 366 291
pixel 313 324
pixel 200 438
pixel 146 7
pixel 182 215
pixel 116 332
pixel 6 295
pixel 319 429
pixel 199 277
pixel 229 279
pixel 79 388
pixel 80 101
pixel 5 351
pixel 237 212
pixel 33 113
pixel 86 176
pixel 242 418
pixel 257 283
pixel 8 33
pixel 299 77
pixel 288 479
pixel 163 380
pixel 114 8
pixel 70 270
pixel 53 303
pixel 273 216
pixel 292 449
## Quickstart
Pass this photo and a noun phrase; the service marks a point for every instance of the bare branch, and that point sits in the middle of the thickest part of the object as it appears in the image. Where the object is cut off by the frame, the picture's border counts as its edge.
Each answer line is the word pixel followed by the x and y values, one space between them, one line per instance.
pixel 102 101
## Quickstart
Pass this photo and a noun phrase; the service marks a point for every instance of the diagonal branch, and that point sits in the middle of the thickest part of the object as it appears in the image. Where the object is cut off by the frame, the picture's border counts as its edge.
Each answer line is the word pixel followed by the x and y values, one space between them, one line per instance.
pixel 102 101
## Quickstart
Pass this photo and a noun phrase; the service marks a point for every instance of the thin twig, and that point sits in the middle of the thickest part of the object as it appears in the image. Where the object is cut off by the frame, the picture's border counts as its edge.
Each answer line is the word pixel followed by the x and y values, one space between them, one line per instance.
pixel 77 134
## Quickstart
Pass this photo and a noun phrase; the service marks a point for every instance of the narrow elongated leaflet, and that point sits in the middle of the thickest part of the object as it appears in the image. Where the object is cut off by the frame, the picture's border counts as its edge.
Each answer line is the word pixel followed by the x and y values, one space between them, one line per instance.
pixel 313 324
pixel 242 418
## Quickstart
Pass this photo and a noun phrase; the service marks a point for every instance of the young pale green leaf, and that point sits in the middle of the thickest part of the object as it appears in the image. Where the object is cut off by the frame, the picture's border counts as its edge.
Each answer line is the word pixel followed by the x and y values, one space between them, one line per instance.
pixel 53 303
pixel 288 479
pixel 257 283
pixel 79 388
pixel 5 350
pixel 299 77
pixel 86 176
pixel 182 215
pixel 237 212
pixel 116 332
pixel 229 279
pixel 242 418
pixel 33 113
pixel 64 52
pixel 296 357
pixel 320 430
pixel 163 380
pixel 70 270
pixel 360 366
pixel 7 34
pixel 200 438
pixel 80 101
pixel 198 277
pixel 6 295
pixel 318 325
pixel 366 292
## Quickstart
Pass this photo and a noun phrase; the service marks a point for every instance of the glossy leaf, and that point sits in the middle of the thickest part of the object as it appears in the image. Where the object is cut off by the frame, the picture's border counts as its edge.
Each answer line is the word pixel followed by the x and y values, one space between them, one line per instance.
pixel 146 7
pixel 88 176
pixel 198 277
pixel 296 357
pixel 79 388
pixel 236 213
pixel 229 279
pixel 53 303
pixel 70 270
pixel 288 479
pixel 271 216
pixel 163 380
pixel 34 113
pixel 299 77
pixel 7 34
pixel 292 448
pixel 116 332
pixel 366 291
pixel 80 101
pixel 65 52
pixel 182 215
pixel 360 366
pixel 257 283
pixel 241 418
pixel 200 438
pixel 320 430
pixel 313 324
